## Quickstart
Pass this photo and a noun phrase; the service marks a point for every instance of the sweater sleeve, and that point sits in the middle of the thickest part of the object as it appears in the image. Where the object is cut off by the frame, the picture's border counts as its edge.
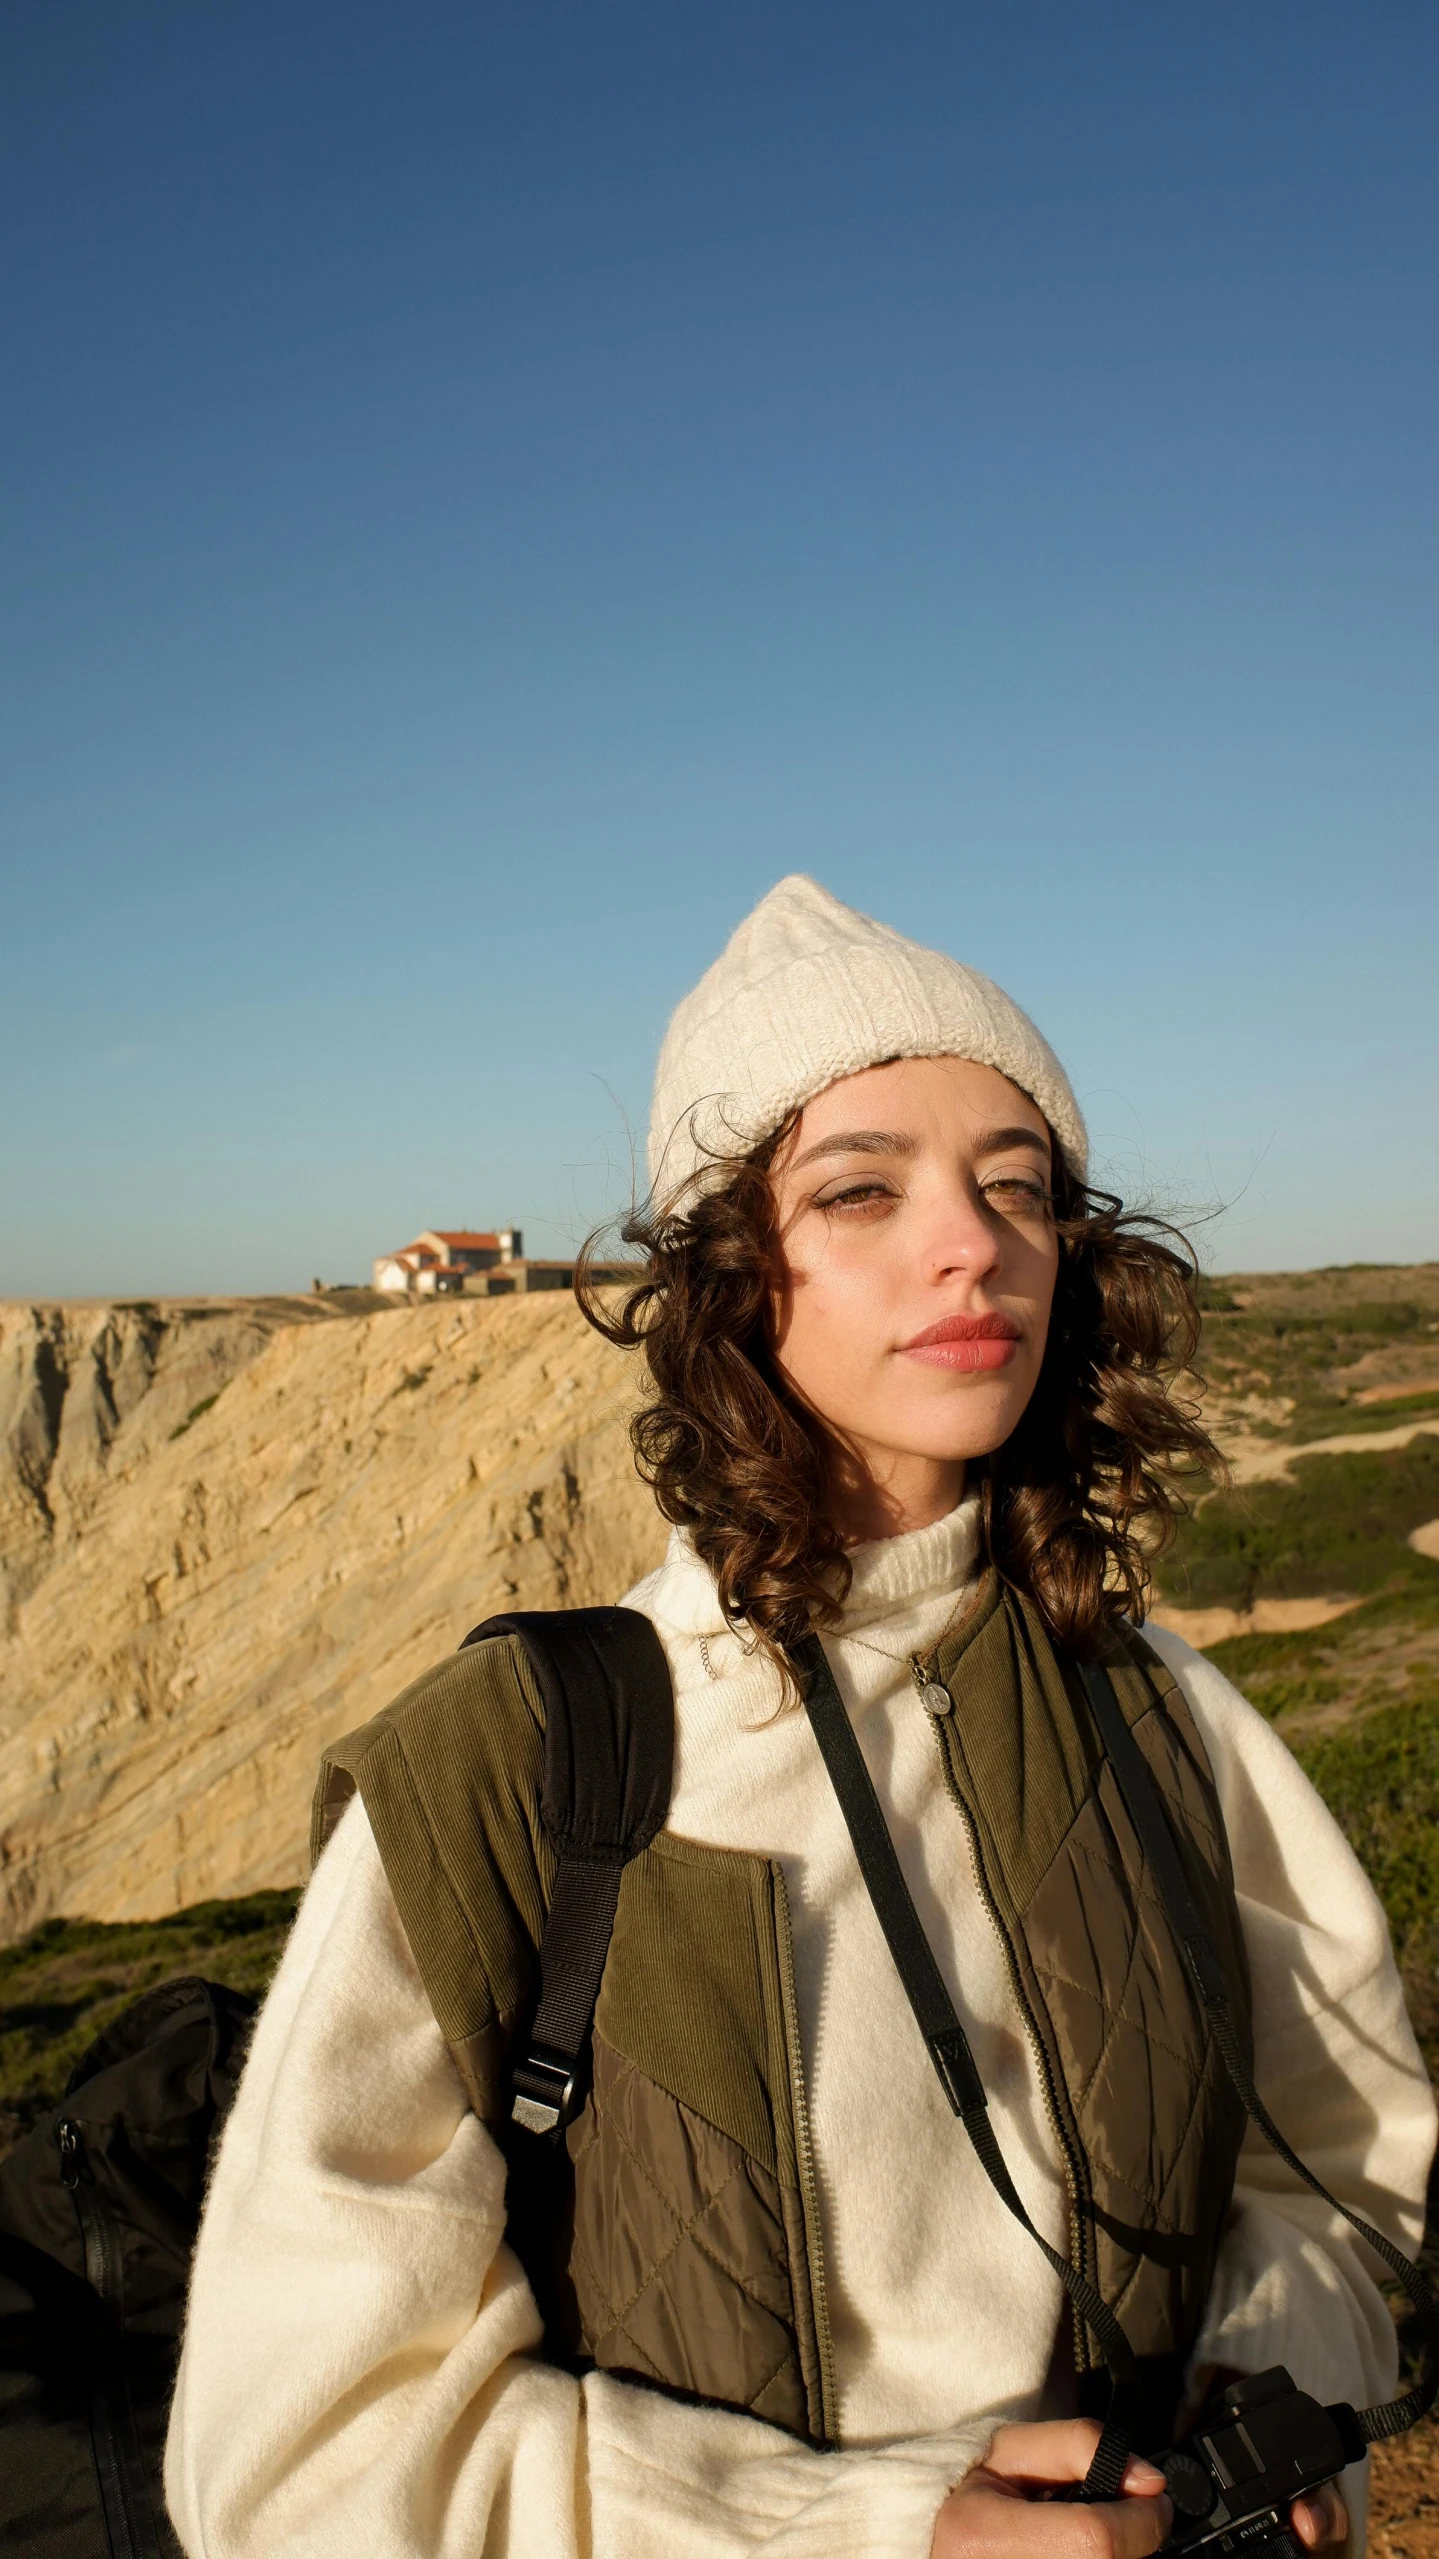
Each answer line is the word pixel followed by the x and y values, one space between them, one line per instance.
pixel 1335 2063
pixel 360 2371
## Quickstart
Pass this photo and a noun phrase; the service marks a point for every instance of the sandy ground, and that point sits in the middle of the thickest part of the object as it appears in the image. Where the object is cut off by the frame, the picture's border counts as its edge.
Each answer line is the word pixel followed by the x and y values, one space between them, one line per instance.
pixel 1409 1385
pixel 1404 2496
pixel 1262 1461
pixel 1204 1626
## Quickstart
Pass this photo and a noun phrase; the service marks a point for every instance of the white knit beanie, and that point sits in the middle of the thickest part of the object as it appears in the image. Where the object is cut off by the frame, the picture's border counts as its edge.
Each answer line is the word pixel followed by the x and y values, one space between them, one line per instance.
pixel 807 990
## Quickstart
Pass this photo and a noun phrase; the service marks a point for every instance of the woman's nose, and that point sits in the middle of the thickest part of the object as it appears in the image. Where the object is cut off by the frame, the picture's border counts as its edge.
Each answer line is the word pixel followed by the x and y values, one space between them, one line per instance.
pixel 965 1238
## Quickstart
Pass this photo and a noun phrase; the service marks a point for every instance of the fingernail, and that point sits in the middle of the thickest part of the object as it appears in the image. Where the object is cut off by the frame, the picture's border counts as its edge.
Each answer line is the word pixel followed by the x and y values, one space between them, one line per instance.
pixel 1142 2475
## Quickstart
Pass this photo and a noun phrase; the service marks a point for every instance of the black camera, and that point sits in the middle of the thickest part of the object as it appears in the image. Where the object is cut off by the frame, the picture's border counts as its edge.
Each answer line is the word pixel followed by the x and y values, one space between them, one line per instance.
pixel 1233 2480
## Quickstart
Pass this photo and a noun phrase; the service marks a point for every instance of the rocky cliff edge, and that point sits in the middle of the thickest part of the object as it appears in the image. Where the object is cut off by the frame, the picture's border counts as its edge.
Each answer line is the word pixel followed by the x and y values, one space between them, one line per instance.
pixel 231 1531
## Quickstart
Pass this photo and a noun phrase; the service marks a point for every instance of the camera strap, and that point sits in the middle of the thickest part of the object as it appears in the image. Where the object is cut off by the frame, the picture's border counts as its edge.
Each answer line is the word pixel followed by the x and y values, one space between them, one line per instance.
pixel 1161 1853
pixel 947 2043
pixel 958 2073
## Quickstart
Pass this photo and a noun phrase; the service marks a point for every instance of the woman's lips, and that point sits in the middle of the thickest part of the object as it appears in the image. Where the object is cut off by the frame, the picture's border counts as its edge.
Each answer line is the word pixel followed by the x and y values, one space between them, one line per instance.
pixel 966 1342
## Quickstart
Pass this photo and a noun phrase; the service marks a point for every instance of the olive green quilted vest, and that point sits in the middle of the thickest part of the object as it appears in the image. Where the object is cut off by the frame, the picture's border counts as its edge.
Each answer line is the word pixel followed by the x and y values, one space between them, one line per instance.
pixel 676 2236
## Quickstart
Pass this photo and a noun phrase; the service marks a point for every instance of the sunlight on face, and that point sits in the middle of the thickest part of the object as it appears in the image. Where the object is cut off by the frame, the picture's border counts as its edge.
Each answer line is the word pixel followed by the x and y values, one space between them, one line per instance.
pixel 920 1258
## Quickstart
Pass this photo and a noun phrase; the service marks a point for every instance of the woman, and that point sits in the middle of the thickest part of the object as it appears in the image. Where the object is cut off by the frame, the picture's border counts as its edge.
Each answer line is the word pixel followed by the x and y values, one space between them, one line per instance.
pixel 910 1389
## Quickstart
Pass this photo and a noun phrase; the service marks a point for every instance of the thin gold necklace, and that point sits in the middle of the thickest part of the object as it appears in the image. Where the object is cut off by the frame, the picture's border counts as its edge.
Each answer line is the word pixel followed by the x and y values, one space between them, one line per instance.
pixel 933 1696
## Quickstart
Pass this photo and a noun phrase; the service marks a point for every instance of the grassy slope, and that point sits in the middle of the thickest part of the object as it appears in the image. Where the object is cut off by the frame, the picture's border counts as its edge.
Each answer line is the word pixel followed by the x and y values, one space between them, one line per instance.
pixel 1358 1703
pixel 62 1985
pixel 1339 1528
pixel 1357 1700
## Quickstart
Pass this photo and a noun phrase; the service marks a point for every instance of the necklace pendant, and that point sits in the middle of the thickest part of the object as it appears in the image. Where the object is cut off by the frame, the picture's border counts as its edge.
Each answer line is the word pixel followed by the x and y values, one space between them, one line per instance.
pixel 934 1697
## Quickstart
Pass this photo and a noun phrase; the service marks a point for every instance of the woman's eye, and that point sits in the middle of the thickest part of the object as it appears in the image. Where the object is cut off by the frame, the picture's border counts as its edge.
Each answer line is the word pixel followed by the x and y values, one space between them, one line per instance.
pixel 1011 1191
pixel 857 1196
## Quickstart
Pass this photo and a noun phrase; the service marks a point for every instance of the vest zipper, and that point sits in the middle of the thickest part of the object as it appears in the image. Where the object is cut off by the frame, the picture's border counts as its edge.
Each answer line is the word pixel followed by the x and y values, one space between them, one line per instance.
pixel 119 2462
pixel 804 2161
pixel 1076 2176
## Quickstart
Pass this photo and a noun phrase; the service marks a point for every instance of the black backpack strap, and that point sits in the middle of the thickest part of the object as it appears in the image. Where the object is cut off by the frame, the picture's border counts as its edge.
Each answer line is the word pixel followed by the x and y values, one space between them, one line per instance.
pixel 609 1756
pixel 1161 1853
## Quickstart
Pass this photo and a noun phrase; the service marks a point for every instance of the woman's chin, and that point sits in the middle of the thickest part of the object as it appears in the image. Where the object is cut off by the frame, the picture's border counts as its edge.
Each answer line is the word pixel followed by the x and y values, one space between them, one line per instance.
pixel 970 1426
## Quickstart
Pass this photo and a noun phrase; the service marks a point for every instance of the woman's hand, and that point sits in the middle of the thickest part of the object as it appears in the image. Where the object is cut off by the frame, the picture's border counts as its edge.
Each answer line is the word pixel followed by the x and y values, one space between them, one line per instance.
pixel 1004 2509
pixel 999 2511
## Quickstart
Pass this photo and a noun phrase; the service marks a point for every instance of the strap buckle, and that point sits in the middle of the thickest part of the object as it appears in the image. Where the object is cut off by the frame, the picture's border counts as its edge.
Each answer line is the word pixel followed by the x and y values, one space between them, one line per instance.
pixel 546 2091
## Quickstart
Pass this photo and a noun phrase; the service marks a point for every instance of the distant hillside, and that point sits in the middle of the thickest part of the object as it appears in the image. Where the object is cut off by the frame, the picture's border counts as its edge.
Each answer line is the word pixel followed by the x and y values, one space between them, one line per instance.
pixel 1299 1355
pixel 232 1531
pixel 1317 1383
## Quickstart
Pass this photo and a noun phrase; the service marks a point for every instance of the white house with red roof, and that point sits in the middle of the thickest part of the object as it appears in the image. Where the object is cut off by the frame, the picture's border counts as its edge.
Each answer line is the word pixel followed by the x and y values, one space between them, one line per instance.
pixel 458 1263
pixel 439 1262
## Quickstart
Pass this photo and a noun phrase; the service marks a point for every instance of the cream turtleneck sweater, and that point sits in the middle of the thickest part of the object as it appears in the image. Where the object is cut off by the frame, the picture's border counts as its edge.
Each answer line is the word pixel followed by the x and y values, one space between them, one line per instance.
pixel 359 2372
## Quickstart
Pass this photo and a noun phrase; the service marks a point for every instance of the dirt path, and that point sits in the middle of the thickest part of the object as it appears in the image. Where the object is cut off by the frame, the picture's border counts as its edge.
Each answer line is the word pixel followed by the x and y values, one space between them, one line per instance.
pixel 1204 1626
pixel 1266 1461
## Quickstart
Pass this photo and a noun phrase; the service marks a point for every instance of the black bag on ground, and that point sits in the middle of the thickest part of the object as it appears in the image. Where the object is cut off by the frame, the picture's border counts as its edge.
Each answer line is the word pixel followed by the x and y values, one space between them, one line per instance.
pixel 99 2206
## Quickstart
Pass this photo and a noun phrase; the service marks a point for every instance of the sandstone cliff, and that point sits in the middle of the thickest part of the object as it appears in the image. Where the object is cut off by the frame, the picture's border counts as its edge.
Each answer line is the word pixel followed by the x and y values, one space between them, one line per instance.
pixel 229 1532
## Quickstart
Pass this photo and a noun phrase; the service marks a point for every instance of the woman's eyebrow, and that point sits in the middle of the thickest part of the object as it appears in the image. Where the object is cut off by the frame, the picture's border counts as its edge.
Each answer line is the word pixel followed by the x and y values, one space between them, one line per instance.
pixel 888 1141
pixel 859 1141
pixel 995 1140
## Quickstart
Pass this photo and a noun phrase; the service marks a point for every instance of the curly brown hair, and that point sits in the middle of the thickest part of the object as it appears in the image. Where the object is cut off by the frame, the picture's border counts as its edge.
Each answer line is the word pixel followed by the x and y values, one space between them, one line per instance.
pixel 1076 1504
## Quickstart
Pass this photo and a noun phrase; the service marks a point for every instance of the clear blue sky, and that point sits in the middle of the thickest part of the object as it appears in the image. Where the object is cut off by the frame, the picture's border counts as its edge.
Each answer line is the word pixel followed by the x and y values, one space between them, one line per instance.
pixel 489 488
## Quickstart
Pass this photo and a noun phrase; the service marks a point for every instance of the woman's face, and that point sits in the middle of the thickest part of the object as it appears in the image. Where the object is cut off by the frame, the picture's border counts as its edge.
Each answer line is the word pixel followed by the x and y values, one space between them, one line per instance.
pixel 920 1258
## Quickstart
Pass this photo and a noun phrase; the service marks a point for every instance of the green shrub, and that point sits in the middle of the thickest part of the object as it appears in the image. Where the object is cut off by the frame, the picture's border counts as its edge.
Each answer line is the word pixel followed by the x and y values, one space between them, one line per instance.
pixel 1380 1779
pixel 1338 1529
